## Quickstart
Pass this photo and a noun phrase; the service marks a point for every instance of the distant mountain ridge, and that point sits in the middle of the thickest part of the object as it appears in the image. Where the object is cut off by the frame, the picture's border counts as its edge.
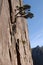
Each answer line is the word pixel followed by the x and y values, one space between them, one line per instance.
pixel 37 55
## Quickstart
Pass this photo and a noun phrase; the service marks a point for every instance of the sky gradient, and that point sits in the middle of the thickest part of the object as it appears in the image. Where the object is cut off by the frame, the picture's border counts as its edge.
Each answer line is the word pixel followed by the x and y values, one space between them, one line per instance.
pixel 35 25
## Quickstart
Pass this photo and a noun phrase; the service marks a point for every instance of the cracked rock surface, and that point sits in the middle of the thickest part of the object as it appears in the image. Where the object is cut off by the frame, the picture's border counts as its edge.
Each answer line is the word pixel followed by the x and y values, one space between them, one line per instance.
pixel 14 41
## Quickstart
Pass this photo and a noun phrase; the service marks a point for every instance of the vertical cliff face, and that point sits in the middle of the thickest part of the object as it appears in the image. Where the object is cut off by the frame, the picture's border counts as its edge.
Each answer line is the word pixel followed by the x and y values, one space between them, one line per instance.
pixel 14 42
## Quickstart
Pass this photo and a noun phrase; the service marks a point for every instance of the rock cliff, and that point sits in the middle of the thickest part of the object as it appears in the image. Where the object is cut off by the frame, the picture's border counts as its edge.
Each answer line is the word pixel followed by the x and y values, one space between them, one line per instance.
pixel 37 54
pixel 14 41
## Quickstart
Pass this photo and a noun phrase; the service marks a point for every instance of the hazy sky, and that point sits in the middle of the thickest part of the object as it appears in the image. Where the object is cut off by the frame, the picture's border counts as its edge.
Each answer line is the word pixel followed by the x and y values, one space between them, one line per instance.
pixel 35 25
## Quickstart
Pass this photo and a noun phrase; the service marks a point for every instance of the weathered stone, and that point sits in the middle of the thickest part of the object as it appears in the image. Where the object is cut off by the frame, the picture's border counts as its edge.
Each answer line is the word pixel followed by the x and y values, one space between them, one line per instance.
pixel 14 42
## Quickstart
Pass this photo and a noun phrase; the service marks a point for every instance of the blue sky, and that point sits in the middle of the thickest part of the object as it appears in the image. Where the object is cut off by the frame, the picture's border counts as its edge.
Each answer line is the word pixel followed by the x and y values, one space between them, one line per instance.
pixel 35 25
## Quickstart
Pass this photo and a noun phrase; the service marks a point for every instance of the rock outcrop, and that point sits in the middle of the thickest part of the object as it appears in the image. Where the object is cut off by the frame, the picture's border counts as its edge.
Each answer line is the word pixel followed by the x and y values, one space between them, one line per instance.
pixel 14 42
pixel 37 54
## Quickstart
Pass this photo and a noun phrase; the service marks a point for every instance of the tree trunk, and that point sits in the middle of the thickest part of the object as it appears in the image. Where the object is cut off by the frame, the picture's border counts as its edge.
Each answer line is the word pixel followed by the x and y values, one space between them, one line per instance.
pixel 14 42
